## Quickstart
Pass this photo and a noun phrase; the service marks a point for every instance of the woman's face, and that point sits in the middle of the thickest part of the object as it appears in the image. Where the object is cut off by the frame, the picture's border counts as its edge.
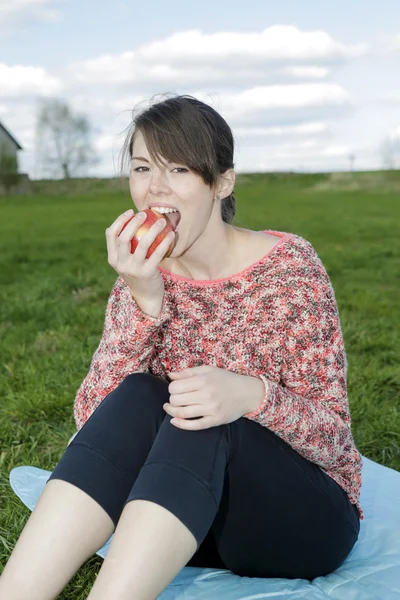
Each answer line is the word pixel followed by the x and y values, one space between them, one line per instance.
pixel 172 184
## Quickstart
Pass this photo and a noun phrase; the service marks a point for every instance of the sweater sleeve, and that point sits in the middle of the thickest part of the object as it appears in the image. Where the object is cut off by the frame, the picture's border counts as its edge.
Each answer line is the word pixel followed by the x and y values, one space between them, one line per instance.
pixel 309 408
pixel 126 346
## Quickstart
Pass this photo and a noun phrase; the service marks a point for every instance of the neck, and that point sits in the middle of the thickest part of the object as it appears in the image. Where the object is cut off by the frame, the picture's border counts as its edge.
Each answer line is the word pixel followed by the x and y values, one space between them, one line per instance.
pixel 207 259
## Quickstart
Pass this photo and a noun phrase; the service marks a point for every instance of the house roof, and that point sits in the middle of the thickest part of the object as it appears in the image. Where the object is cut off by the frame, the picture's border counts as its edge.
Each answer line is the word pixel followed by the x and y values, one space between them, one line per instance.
pixel 11 137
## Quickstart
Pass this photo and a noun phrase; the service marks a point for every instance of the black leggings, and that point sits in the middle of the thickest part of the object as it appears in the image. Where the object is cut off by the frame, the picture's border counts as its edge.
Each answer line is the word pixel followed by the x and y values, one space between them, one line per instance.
pixel 254 505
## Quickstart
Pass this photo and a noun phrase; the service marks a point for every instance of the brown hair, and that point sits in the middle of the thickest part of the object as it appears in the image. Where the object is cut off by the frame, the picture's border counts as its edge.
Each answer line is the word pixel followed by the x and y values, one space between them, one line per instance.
pixel 184 130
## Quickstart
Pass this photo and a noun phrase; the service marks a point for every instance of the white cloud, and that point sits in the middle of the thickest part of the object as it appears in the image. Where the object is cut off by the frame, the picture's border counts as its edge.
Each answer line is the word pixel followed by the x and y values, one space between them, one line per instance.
pixel 195 58
pixel 390 149
pixel 289 96
pixel 396 133
pixel 306 72
pixel 394 44
pixel 283 104
pixel 257 116
pixel 20 121
pixel 4 109
pixel 13 12
pixel 104 142
pixel 273 117
pixel 107 103
pixel 274 88
pixel 391 98
pixel 393 136
pixel 387 44
pixel 307 155
pixel 341 151
pixel 241 109
pixel 319 129
pixel 22 81
pixel 277 43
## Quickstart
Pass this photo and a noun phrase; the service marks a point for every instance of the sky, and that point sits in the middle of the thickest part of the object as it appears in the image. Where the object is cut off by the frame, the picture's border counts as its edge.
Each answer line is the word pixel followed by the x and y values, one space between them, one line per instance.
pixel 304 86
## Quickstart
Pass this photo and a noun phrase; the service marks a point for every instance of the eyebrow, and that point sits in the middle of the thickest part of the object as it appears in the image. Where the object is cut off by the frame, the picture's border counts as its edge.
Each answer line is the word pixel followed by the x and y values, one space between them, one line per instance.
pixel 142 158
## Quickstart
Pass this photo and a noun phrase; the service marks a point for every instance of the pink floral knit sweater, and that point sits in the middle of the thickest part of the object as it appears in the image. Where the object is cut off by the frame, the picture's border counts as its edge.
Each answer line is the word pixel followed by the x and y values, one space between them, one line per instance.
pixel 277 320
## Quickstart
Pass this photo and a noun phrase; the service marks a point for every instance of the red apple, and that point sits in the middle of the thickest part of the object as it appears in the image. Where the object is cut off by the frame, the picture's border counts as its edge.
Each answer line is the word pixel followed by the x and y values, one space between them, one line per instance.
pixel 152 217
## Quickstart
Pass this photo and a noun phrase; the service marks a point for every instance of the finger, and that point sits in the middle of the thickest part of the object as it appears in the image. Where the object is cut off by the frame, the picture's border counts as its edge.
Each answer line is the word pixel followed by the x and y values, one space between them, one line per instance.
pixel 185 412
pixel 194 383
pixel 161 250
pixel 145 241
pixel 131 228
pixel 196 425
pixel 124 238
pixel 116 227
pixel 148 238
pixel 191 395
pixel 112 232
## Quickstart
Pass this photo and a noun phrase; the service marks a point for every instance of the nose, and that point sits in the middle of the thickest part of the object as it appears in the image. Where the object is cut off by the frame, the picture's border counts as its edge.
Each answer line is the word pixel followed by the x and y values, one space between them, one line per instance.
pixel 158 182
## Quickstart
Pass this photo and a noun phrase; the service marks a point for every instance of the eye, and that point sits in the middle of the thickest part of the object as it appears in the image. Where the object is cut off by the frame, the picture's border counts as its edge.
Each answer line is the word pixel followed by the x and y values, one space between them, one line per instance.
pixel 182 169
pixel 138 169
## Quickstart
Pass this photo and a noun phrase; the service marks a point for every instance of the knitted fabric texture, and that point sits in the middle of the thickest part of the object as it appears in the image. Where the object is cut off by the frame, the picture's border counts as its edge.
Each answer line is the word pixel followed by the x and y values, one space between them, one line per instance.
pixel 277 320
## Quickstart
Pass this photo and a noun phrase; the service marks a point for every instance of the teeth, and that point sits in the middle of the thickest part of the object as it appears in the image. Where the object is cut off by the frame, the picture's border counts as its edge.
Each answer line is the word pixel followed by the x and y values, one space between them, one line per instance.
pixel 163 210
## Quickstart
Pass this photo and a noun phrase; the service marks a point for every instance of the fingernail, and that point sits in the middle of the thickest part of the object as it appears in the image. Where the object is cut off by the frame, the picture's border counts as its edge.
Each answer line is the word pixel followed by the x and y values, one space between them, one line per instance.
pixel 141 215
pixel 128 212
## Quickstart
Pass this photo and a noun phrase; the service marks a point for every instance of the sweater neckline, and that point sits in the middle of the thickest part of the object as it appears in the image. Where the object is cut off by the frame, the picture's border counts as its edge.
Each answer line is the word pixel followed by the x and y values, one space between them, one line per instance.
pixel 284 236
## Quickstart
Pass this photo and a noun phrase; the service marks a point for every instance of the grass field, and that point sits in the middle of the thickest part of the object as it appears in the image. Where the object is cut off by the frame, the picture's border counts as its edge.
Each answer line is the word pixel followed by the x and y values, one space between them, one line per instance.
pixel 55 282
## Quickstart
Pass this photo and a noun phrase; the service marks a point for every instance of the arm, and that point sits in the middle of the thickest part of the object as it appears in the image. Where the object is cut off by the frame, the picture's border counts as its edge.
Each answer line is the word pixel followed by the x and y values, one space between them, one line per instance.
pixel 126 346
pixel 310 410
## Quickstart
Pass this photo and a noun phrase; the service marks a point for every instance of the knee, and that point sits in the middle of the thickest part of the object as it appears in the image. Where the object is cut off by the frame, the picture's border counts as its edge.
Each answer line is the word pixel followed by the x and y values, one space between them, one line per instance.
pixel 138 396
pixel 145 375
pixel 140 379
pixel 146 388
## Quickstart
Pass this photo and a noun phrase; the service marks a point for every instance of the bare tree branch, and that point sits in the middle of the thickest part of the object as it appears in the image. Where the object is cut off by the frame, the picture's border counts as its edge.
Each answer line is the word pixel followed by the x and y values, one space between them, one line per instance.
pixel 64 140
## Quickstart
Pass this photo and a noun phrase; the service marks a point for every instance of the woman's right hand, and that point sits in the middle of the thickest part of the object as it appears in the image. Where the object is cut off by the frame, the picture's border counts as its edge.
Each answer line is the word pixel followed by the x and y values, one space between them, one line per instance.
pixel 140 273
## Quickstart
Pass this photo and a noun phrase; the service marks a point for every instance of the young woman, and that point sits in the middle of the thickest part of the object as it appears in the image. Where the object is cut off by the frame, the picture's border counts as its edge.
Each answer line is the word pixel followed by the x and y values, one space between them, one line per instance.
pixel 213 424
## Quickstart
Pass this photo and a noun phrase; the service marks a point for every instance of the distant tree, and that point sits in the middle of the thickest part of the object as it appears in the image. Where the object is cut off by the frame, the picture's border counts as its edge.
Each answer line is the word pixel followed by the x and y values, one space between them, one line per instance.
pixel 390 150
pixel 9 175
pixel 64 140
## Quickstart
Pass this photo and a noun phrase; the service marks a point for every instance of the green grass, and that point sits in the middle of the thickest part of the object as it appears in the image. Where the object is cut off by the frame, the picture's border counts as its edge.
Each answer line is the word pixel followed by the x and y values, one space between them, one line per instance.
pixel 55 281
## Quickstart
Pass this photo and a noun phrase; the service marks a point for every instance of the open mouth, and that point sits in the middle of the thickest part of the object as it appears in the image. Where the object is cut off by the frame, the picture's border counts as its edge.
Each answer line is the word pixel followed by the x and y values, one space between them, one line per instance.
pixel 173 219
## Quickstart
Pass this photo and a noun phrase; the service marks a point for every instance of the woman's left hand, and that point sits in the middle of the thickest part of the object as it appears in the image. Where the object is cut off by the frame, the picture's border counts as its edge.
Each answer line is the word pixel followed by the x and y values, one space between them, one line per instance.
pixel 217 395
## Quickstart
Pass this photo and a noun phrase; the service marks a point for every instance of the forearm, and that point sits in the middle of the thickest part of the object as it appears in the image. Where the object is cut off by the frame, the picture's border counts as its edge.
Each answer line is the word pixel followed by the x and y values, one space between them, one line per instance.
pixel 126 346
pixel 151 307
pixel 318 429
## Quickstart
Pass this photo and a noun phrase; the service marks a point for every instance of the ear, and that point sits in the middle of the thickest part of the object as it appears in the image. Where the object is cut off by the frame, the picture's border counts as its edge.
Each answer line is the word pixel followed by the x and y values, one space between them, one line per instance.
pixel 226 184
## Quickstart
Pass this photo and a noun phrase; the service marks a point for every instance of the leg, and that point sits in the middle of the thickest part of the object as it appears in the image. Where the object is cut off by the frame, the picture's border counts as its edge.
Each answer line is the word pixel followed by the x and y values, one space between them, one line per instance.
pixel 65 528
pixel 150 546
pixel 167 514
pixel 281 515
pixel 284 519
pixel 84 497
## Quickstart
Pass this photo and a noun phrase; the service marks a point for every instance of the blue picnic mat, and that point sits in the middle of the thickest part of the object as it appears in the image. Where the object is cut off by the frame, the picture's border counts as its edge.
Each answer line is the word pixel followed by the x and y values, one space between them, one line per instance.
pixel 370 572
